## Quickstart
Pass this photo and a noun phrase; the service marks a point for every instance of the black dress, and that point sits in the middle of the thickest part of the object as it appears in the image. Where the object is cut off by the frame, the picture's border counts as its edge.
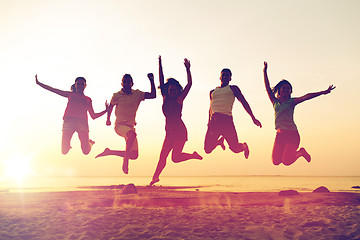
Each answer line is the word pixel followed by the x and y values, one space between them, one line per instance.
pixel 174 126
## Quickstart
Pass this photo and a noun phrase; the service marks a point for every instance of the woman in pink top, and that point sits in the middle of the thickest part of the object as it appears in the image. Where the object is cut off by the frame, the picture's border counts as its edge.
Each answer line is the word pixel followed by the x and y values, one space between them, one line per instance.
pixel 75 116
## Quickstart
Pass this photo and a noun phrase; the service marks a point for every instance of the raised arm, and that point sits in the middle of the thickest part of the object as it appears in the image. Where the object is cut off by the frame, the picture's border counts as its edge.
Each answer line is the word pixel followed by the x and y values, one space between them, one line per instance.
pixel 313 95
pixel 152 94
pixel 267 84
pixel 161 74
pixel 189 81
pixel 245 104
pixel 51 89
pixel 94 115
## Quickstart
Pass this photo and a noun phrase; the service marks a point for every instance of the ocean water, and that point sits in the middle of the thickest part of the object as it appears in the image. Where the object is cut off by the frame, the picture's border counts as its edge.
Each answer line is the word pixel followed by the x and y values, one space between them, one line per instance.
pixel 203 183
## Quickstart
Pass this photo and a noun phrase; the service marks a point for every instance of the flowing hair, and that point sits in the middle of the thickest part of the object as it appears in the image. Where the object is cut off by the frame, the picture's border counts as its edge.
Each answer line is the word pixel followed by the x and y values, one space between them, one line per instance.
pixel 165 87
pixel 278 86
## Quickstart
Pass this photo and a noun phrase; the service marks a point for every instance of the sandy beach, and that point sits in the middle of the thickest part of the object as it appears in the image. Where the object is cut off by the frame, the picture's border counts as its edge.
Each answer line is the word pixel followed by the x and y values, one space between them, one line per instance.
pixel 166 213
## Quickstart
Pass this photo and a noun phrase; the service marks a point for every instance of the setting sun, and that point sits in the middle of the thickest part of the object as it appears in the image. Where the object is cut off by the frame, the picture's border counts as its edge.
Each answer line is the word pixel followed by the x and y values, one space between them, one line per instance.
pixel 17 166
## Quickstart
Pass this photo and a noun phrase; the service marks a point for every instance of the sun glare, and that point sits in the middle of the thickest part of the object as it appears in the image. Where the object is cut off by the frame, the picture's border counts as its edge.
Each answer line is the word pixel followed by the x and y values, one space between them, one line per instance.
pixel 18 167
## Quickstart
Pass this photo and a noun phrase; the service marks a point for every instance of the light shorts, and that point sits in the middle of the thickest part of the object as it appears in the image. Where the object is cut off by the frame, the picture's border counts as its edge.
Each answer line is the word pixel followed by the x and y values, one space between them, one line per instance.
pixel 122 131
pixel 75 124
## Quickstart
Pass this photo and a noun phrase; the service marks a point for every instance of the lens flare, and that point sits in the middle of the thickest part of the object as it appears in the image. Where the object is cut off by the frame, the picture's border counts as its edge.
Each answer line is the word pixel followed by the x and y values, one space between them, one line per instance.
pixel 17 167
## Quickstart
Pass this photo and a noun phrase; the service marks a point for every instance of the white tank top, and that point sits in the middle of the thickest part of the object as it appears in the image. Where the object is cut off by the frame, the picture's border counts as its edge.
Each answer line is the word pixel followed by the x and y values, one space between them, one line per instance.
pixel 222 101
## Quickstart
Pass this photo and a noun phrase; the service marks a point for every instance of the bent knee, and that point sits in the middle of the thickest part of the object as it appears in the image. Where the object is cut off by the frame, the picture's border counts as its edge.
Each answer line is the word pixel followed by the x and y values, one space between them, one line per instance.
pixel 276 161
pixel 65 150
pixel 208 149
pixel 131 134
pixel 236 149
pixel 133 155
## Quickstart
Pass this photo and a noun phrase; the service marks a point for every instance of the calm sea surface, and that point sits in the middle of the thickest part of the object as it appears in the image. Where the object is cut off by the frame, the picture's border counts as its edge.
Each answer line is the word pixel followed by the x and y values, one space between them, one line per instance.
pixel 210 183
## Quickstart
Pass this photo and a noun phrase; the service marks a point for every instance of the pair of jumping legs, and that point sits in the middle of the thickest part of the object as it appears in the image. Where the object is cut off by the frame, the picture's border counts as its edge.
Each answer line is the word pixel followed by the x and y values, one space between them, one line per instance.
pixel 177 156
pixel 286 146
pixel 221 127
pixel 131 149
pixel 72 125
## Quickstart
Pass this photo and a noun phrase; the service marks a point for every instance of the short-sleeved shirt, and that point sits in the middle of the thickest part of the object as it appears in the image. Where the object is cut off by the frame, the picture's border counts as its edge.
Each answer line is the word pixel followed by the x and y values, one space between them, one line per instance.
pixel 77 106
pixel 284 114
pixel 126 106
pixel 222 100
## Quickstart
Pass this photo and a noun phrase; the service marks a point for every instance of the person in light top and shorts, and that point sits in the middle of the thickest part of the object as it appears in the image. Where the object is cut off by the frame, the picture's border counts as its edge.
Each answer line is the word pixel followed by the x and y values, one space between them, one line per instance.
pixel 126 103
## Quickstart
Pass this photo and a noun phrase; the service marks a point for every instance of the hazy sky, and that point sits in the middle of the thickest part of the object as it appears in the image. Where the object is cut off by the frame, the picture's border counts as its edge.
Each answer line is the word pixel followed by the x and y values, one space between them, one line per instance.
pixel 311 43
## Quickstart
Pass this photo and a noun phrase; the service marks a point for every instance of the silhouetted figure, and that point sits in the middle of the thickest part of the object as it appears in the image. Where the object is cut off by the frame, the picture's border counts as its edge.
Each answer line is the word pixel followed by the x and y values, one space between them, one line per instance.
pixel 287 136
pixel 176 132
pixel 75 116
pixel 126 103
pixel 221 125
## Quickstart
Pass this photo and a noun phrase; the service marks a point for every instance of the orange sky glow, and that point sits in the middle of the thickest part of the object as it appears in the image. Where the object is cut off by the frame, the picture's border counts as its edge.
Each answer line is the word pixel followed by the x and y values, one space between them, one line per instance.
pixel 311 43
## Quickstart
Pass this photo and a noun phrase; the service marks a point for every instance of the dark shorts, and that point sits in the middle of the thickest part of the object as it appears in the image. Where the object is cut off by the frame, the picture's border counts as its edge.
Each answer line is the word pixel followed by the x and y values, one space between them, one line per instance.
pixel 288 137
pixel 76 125
pixel 222 125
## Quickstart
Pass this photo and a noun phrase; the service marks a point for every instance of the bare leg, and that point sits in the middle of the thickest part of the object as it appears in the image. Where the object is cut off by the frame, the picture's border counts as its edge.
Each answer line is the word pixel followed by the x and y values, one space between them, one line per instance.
pixel 131 136
pixel 86 143
pixel 65 142
pixel 277 153
pixel 179 156
pixel 165 150
pixel 290 154
pixel 108 152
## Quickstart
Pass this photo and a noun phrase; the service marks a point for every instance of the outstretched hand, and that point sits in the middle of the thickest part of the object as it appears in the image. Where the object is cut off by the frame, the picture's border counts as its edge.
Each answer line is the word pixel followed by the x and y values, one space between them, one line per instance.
pixel 330 88
pixel 187 63
pixel 265 66
pixel 257 122
pixel 36 79
pixel 151 76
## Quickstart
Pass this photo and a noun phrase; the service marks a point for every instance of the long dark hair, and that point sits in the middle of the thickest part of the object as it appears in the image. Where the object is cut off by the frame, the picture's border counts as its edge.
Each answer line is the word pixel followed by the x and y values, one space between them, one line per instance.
pixel 277 87
pixel 165 87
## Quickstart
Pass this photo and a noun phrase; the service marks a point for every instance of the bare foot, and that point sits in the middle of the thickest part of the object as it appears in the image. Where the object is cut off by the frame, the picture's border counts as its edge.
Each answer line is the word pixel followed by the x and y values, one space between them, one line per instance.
pixel 246 150
pixel 104 153
pixel 221 143
pixel 305 154
pixel 125 166
pixel 197 156
pixel 155 180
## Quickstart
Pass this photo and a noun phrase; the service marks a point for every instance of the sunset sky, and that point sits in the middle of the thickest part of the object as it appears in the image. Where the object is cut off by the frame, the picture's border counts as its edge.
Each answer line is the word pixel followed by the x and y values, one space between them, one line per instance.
pixel 310 43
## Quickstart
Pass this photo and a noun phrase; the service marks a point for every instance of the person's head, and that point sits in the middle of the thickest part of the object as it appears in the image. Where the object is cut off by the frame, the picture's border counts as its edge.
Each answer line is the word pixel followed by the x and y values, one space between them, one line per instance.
pixel 79 85
pixel 127 82
pixel 225 76
pixel 172 88
pixel 283 89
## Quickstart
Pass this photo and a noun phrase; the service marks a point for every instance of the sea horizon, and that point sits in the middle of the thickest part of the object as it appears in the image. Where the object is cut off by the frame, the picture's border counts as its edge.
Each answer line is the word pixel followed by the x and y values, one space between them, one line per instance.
pixel 236 183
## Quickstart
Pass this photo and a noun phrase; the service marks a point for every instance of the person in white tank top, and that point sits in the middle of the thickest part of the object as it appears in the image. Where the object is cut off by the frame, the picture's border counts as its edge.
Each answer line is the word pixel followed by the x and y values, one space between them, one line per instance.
pixel 221 126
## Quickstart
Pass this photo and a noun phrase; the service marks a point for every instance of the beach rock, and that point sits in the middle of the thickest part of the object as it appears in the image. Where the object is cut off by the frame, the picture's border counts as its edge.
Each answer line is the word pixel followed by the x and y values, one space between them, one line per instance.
pixel 355 187
pixel 321 189
pixel 129 189
pixel 288 193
